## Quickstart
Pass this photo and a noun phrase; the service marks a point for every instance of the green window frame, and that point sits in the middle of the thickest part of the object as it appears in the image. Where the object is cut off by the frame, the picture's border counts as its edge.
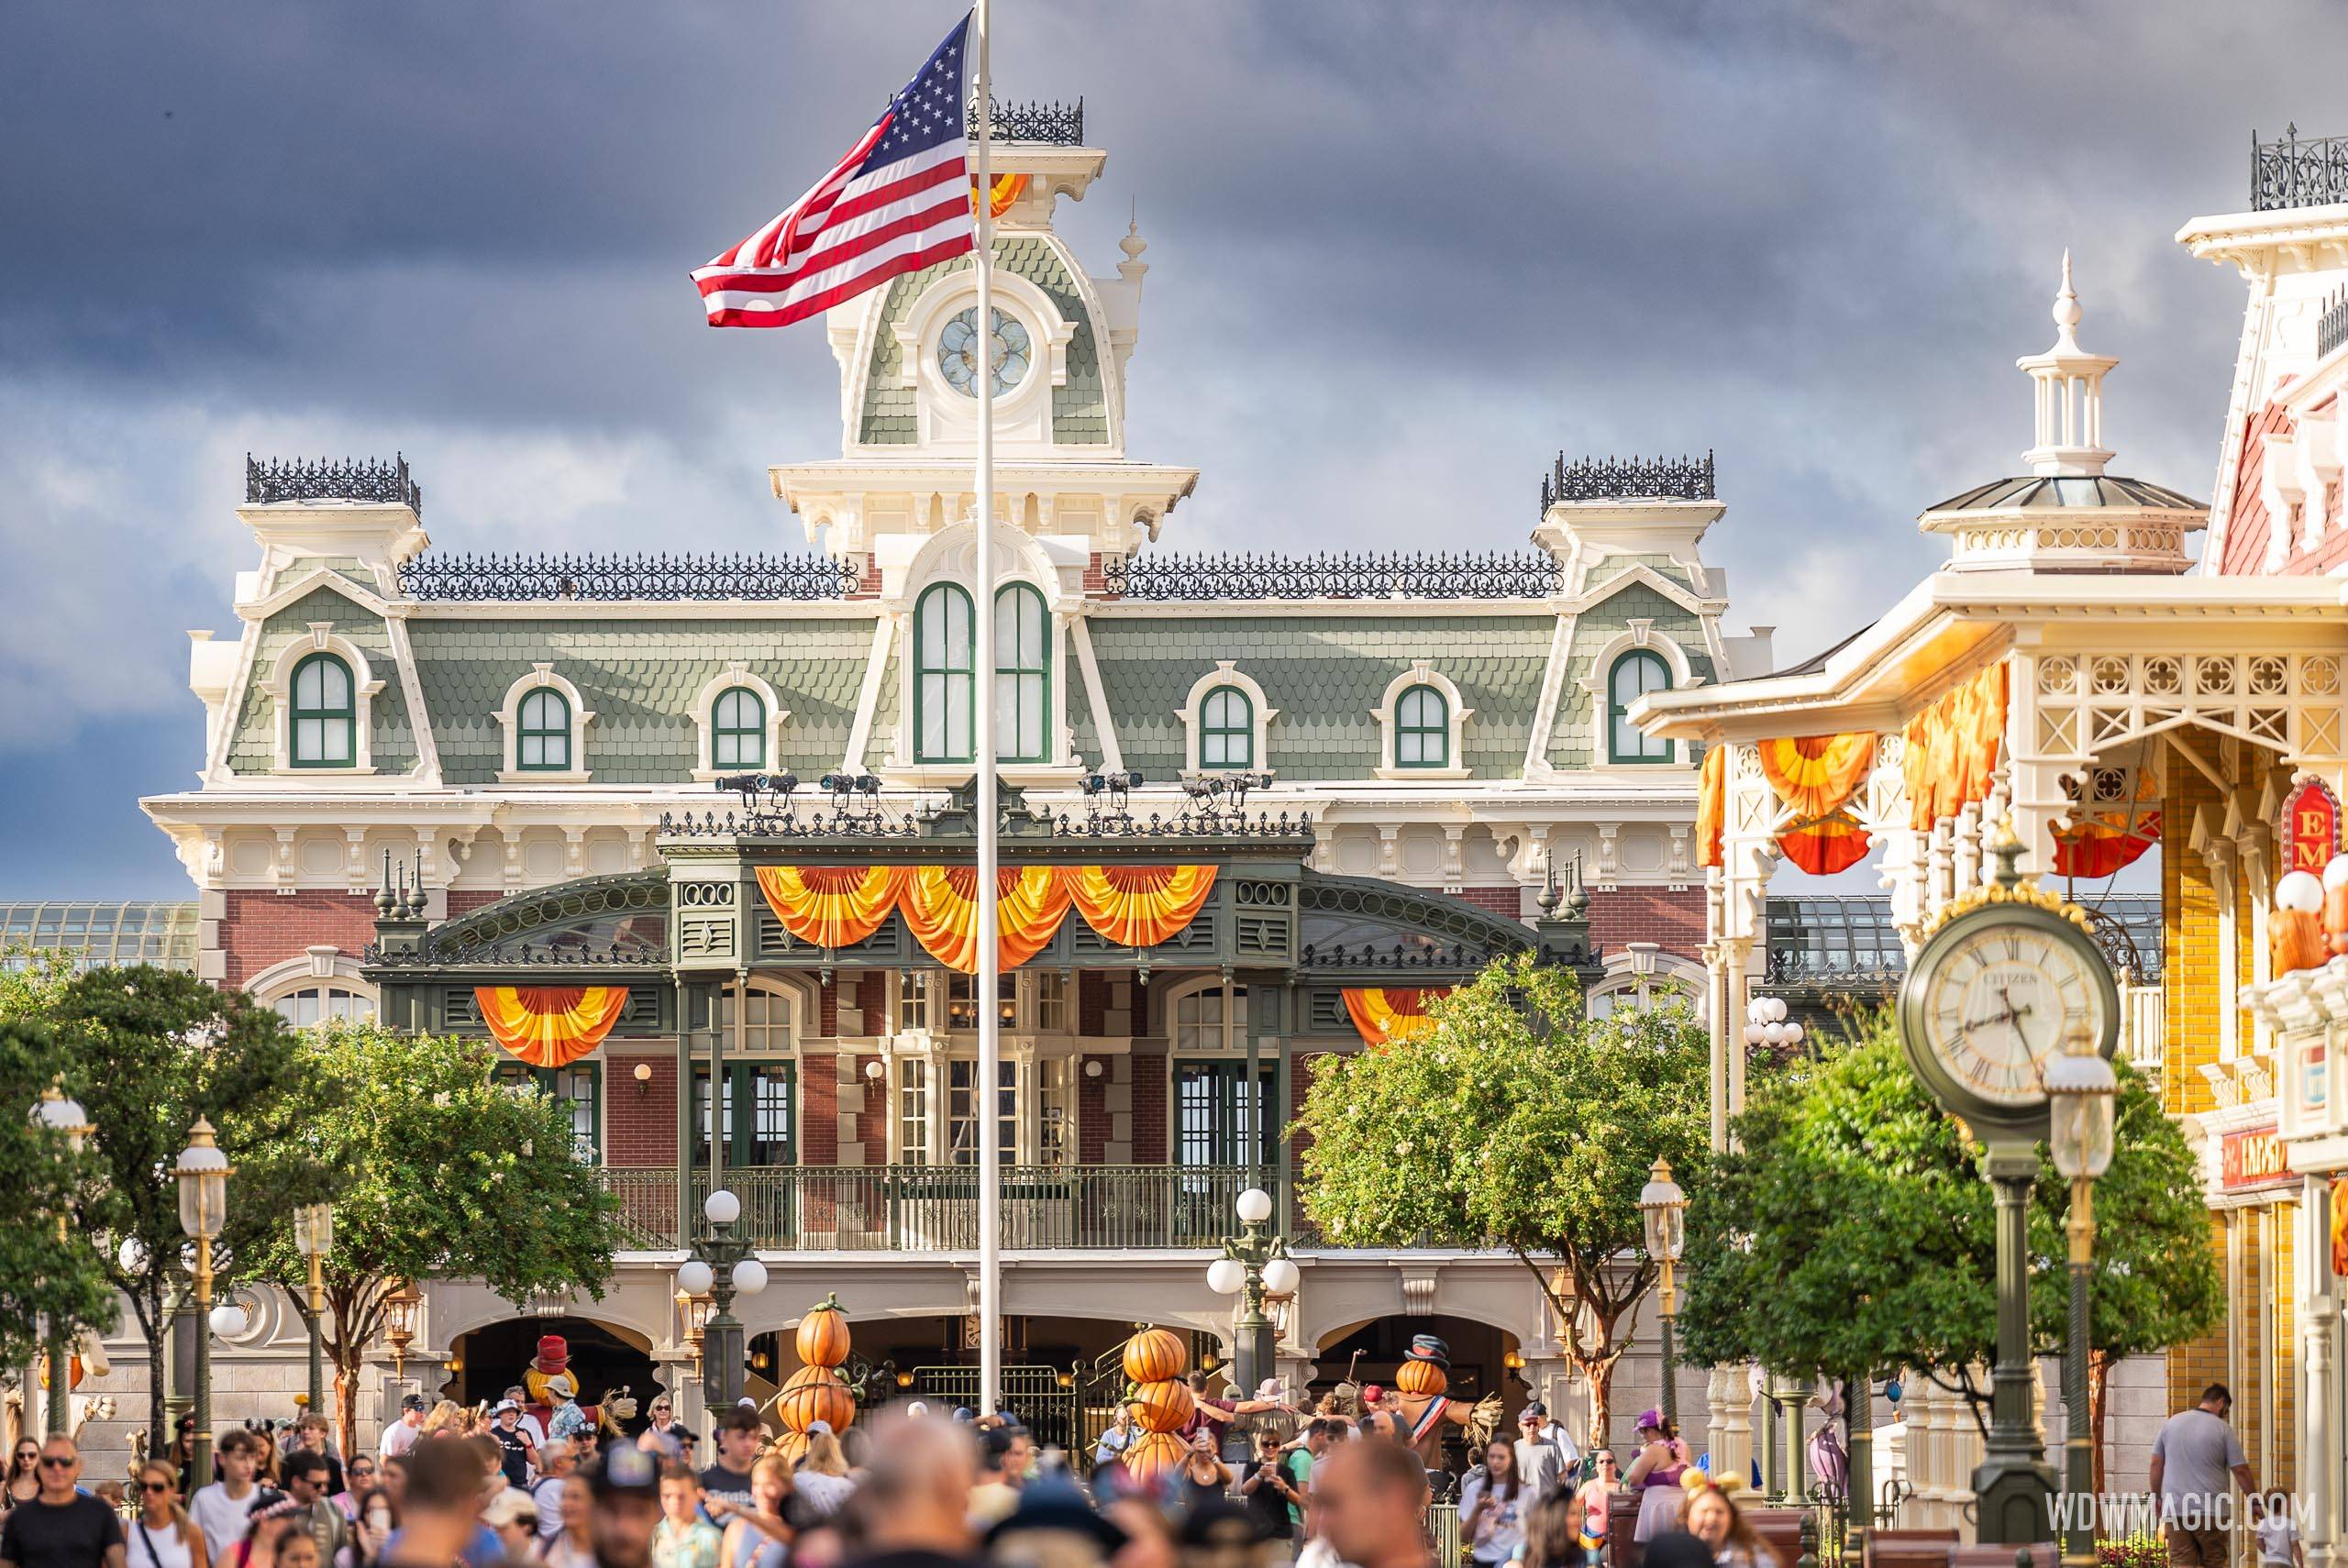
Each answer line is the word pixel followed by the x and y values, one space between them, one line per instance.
pixel 1632 676
pixel 945 674
pixel 322 729
pixel 1022 674
pixel 1423 728
pixel 542 744
pixel 1212 1119
pixel 760 1105
pixel 1227 729
pixel 578 1088
pixel 737 729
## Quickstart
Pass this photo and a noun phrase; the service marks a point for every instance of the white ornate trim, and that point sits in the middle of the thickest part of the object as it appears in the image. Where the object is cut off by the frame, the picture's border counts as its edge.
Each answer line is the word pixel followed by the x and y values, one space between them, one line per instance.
pixel 1227 673
pixel 1421 673
pixel 364 685
pixel 704 704
pixel 542 676
pixel 1639 637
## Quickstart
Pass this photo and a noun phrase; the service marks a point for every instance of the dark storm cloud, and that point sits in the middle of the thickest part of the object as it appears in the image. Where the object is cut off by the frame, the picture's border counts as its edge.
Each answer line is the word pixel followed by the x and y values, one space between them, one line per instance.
pixel 1400 253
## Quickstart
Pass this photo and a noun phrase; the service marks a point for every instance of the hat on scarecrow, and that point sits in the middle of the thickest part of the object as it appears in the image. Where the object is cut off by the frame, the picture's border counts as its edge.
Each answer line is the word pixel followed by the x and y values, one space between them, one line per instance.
pixel 1427 1347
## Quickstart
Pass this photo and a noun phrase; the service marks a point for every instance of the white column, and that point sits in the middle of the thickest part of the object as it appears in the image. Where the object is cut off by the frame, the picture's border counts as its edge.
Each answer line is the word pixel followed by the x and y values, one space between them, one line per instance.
pixel 2318 1315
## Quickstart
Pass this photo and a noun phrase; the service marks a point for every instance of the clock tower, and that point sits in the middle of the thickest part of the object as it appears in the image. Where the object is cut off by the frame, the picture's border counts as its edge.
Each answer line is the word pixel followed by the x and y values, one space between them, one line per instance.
pixel 914 359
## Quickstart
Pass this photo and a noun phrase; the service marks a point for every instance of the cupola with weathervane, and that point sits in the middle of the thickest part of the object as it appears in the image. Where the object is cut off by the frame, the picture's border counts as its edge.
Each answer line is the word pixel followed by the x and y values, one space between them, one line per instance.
pixel 914 360
pixel 2067 514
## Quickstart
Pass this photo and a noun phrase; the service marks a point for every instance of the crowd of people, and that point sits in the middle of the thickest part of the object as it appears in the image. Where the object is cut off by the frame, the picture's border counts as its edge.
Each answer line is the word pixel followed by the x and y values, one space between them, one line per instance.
pixel 451 1487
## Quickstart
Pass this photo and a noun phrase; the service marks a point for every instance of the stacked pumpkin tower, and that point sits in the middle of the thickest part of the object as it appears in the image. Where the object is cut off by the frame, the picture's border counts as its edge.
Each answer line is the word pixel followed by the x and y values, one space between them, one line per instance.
pixel 1155 1361
pixel 816 1392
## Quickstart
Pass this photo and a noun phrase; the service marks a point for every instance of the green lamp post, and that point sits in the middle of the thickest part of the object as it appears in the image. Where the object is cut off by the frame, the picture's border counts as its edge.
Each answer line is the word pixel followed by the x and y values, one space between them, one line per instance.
pixel 1664 1207
pixel 2005 975
pixel 2083 1094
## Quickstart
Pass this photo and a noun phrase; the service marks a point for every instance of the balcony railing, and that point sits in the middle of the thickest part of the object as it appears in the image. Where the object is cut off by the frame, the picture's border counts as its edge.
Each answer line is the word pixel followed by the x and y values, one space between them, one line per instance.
pixel 2292 172
pixel 934 1208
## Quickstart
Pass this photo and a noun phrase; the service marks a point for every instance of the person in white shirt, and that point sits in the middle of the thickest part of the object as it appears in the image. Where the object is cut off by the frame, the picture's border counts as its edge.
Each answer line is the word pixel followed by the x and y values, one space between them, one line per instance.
pixel 555 1464
pixel 1545 1454
pixel 400 1435
pixel 2278 1536
pixel 221 1509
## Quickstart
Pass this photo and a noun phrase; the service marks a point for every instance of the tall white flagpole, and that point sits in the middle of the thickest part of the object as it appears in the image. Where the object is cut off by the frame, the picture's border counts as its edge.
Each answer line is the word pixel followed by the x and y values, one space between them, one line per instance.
pixel 983 751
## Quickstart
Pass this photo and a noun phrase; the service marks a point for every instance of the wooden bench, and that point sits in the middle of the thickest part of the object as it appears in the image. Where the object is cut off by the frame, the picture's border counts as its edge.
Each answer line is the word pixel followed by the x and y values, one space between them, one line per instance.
pixel 2044 1554
pixel 1779 1529
pixel 1910 1548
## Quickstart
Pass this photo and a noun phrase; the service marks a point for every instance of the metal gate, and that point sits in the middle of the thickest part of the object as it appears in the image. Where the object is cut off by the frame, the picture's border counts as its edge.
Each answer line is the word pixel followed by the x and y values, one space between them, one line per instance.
pixel 1037 1396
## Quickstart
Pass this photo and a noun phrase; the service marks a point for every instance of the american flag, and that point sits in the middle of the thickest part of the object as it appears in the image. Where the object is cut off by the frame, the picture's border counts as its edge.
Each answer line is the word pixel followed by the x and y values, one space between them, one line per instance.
pixel 898 202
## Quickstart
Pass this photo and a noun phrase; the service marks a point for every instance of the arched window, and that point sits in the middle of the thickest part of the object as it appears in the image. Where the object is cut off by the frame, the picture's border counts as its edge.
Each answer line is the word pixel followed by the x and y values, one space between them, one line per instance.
pixel 737 729
pixel 1022 674
pixel 942 674
pixel 325 717
pixel 1634 674
pixel 318 1003
pixel 1227 729
pixel 544 744
pixel 1421 729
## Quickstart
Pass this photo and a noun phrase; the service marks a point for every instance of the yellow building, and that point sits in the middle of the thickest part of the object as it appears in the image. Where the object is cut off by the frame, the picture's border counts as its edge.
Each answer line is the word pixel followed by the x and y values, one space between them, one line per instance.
pixel 2073 669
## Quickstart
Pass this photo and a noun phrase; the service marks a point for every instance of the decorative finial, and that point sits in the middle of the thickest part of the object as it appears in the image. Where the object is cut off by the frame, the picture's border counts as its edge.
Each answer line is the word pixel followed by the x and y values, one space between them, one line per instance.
pixel 384 890
pixel 2006 849
pixel 1132 268
pixel 2066 310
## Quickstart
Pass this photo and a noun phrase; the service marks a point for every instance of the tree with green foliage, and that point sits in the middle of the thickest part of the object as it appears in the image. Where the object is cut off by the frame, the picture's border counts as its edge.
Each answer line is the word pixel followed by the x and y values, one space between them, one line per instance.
pixel 52 1283
pixel 148 1051
pixel 1518 1123
pixel 1851 1232
pixel 438 1170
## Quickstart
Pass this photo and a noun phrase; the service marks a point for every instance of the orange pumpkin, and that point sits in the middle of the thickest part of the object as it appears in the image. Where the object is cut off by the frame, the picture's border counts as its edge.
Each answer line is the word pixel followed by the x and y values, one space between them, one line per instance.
pixel 822 1334
pixel 815 1394
pixel 1421 1377
pixel 1164 1406
pixel 792 1446
pixel 2299 941
pixel 1152 1455
pixel 1153 1355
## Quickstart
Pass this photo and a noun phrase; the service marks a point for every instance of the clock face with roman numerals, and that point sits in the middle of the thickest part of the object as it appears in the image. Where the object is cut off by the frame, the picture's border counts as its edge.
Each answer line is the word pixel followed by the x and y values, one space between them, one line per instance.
pixel 1991 1000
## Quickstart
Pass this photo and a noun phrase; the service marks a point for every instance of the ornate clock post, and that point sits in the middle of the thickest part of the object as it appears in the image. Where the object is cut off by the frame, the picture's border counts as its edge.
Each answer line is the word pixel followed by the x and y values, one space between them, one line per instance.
pixel 2004 975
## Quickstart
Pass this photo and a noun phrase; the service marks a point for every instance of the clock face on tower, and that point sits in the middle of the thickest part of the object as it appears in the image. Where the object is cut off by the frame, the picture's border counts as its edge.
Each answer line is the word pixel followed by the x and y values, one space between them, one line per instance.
pixel 1008 351
pixel 1991 999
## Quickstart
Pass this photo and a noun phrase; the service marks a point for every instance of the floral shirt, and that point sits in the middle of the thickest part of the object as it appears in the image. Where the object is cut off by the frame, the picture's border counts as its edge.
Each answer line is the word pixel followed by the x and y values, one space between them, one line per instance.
pixel 694 1546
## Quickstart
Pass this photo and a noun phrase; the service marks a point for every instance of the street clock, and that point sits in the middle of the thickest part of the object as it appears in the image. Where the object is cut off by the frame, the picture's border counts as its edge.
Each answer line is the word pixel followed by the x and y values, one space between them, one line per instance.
pixel 2001 980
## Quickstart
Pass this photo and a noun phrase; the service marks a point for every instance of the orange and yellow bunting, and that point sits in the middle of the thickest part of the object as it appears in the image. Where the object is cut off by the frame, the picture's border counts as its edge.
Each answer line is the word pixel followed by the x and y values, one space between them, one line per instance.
pixel 833 906
pixel 1824 847
pixel 2103 841
pixel 1005 189
pixel 941 909
pixel 1139 906
pixel 1952 748
pixel 550 1026
pixel 1392 1013
pixel 1814 775
pixel 1711 805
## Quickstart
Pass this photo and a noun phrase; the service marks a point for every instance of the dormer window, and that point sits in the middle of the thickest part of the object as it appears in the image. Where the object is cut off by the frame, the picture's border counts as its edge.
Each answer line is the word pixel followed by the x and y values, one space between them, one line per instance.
pixel 1632 676
pixel 737 731
pixel 1421 729
pixel 544 744
pixel 945 675
pixel 324 719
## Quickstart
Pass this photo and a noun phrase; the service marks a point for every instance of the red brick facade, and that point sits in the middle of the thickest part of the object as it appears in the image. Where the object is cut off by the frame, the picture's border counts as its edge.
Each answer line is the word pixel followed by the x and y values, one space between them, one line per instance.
pixel 872 1121
pixel 1093 1112
pixel 641 1118
pixel 1149 1108
pixel 1507 899
pixel 819 1108
pixel 1674 920
pixel 260 928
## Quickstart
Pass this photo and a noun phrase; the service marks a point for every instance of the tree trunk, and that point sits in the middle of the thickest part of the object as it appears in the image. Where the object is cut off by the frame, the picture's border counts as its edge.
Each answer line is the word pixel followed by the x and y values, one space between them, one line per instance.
pixel 1601 1373
pixel 157 1436
pixel 345 1414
